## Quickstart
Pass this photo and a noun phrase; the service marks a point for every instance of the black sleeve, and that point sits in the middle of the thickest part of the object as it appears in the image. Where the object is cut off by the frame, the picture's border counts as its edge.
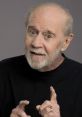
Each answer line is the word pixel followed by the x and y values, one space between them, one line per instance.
pixel 6 100
pixel 78 100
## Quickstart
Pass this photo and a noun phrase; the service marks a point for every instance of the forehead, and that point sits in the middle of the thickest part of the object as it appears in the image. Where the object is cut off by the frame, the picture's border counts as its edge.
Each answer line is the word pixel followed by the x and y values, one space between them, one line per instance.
pixel 47 17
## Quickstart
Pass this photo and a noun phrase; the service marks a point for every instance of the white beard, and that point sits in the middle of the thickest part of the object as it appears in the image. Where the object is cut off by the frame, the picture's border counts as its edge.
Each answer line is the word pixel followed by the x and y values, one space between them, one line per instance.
pixel 45 62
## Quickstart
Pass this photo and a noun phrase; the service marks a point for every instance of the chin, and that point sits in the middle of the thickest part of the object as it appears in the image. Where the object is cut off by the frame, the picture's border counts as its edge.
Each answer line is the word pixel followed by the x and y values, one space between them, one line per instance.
pixel 38 65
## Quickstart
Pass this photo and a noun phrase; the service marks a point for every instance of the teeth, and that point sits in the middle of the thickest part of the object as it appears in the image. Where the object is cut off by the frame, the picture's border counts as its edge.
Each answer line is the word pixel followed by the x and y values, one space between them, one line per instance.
pixel 36 53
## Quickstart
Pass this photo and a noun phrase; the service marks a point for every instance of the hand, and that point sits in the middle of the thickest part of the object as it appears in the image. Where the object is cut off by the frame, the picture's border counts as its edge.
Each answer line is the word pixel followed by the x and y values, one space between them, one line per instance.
pixel 49 108
pixel 19 110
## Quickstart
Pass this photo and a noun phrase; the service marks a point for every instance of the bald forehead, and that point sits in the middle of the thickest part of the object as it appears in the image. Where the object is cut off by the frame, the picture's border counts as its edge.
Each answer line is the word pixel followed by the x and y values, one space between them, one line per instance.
pixel 50 13
pixel 48 9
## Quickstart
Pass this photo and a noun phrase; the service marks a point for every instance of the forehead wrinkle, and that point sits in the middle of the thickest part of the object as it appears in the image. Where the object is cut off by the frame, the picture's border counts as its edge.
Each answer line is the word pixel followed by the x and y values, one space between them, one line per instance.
pixel 48 9
pixel 46 14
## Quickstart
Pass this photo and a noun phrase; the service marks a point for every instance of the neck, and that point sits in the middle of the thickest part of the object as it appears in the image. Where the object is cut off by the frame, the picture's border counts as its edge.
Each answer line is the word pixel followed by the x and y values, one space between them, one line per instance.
pixel 56 63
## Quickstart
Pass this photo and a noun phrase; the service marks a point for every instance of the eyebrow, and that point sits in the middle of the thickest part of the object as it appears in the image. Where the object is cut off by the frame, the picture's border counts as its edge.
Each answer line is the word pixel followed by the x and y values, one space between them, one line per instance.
pixel 50 32
pixel 47 30
pixel 33 27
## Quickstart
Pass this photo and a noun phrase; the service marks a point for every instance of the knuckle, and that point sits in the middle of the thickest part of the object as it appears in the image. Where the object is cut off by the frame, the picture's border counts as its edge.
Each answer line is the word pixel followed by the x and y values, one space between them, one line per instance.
pixel 14 110
pixel 58 106
pixel 47 102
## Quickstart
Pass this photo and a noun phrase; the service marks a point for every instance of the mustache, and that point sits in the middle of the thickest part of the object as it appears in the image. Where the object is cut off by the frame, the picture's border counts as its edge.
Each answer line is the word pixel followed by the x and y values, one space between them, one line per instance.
pixel 37 51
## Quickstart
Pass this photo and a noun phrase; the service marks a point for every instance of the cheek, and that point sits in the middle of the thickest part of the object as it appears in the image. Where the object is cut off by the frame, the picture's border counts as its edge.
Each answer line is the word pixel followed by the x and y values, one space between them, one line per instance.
pixel 51 48
pixel 27 42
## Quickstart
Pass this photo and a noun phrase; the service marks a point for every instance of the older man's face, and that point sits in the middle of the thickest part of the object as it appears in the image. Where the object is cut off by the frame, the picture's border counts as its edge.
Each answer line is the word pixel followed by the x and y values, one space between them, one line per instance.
pixel 44 38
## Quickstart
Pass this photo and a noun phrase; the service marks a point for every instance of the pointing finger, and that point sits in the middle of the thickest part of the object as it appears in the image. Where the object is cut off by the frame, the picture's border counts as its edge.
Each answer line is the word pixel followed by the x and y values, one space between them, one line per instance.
pixel 53 94
pixel 22 104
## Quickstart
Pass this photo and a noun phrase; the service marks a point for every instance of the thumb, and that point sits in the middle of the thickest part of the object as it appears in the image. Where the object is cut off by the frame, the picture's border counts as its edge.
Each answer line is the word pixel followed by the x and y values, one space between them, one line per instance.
pixel 22 104
pixel 53 94
pixel 38 107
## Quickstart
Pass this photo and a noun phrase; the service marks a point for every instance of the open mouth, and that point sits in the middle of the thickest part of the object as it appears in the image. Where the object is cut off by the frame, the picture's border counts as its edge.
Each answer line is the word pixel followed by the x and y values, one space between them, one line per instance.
pixel 39 54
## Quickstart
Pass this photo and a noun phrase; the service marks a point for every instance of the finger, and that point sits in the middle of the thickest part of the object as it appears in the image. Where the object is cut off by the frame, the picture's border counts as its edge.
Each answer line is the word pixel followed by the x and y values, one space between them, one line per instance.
pixel 38 107
pixel 28 116
pixel 18 112
pixel 44 105
pixel 49 109
pixel 22 104
pixel 53 94
pixel 13 115
pixel 22 114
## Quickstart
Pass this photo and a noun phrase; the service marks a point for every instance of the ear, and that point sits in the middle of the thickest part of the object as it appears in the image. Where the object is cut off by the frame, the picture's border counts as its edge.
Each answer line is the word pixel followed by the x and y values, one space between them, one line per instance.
pixel 67 41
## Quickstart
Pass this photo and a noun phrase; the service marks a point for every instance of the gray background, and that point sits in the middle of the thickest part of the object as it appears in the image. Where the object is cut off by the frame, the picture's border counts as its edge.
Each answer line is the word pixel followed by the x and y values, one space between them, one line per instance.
pixel 12 28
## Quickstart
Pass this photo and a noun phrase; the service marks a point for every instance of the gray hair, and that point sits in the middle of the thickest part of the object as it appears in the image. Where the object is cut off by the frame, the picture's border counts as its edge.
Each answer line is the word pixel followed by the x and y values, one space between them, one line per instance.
pixel 68 28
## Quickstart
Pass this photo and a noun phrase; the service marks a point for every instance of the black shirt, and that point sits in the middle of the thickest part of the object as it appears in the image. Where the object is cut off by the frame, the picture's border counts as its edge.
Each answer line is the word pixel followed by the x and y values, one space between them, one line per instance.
pixel 20 82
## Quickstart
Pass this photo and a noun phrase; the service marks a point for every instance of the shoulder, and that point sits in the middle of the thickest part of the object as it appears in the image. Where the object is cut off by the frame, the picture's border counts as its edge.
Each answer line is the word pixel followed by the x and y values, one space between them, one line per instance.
pixel 73 70
pixel 72 64
pixel 12 61
pixel 11 64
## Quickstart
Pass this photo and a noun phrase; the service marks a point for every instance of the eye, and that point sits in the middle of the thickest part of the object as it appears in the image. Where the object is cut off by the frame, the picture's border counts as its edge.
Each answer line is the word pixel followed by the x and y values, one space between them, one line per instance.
pixel 32 32
pixel 48 35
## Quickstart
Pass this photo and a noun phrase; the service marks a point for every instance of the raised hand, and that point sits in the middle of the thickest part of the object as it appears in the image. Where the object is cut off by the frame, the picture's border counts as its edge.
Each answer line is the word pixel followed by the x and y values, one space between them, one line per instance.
pixel 19 110
pixel 50 108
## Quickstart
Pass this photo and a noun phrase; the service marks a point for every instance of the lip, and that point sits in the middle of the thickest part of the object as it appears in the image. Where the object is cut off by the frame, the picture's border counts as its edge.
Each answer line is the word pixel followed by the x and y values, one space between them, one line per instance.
pixel 35 53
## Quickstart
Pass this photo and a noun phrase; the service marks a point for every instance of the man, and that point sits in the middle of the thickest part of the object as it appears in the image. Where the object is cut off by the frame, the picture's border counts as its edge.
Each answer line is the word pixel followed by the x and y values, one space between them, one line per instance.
pixel 44 82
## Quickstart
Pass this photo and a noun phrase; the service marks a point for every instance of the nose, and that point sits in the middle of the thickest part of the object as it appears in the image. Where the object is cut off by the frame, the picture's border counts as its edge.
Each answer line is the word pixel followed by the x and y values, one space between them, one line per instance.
pixel 37 41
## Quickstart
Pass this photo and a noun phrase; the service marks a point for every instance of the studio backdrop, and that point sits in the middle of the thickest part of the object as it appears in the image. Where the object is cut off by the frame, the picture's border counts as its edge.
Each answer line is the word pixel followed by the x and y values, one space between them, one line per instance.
pixel 12 27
